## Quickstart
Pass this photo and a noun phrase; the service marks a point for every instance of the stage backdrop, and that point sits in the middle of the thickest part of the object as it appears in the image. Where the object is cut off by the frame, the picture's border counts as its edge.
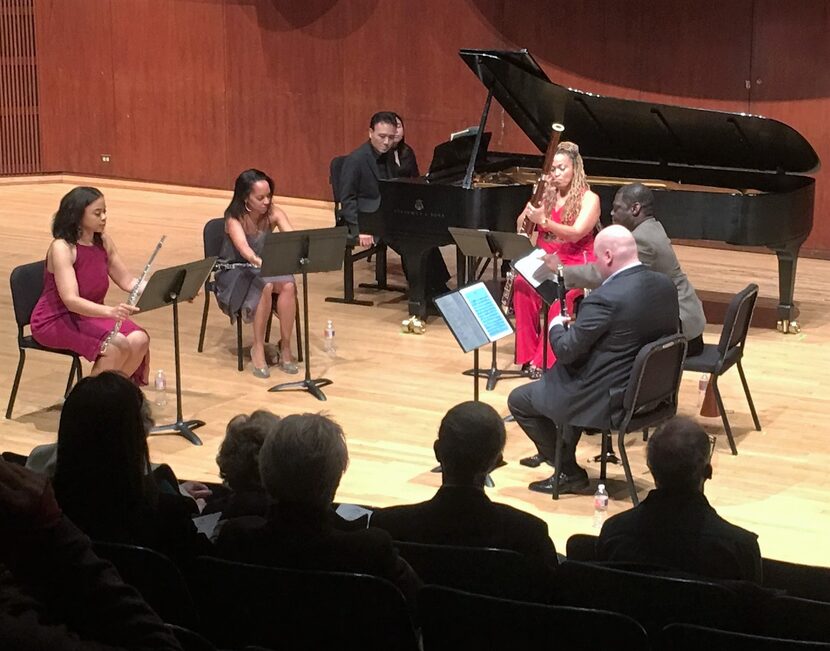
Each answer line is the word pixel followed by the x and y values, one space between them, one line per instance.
pixel 193 91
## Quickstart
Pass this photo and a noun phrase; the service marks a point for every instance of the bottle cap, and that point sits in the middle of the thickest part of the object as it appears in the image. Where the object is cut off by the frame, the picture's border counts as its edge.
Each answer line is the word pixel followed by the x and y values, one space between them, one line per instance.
pixel 601 487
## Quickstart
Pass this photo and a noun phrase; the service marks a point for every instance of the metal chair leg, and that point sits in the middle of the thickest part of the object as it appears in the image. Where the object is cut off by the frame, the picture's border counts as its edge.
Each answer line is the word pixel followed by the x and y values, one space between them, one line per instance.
pixel 557 460
pixel 749 398
pixel 268 326
pixel 16 382
pixel 603 460
pixel 201 345
pixel 723 417
pixel 629 478
pixel 240 363
pixel 299 329
pixel 69 381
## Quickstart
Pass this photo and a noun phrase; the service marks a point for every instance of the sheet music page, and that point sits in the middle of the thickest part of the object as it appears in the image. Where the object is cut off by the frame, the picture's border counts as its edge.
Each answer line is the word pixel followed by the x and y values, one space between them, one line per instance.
pixel 486 312
pixel 532 268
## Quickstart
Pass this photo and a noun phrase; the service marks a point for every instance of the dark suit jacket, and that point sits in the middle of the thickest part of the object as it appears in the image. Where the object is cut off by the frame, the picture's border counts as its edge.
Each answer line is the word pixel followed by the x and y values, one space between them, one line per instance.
pixel 357 190
pixel 654 250
pixel 462 515
pixel 681 532
pixel 595 354
pixel 296 538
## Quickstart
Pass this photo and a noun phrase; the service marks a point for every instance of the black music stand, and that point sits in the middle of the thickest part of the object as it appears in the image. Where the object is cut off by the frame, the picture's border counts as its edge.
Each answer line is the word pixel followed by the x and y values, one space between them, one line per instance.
pixel 171 286
pixel 497 246
pixel 304 252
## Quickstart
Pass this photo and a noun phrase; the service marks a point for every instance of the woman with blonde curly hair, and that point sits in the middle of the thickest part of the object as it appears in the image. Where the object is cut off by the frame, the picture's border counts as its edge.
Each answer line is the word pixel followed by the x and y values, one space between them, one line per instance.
pixel 565 225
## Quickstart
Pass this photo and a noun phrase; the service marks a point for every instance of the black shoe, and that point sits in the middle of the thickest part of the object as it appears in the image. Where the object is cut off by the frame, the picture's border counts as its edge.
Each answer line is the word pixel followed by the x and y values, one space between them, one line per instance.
pixel 535 461
pixel 568 484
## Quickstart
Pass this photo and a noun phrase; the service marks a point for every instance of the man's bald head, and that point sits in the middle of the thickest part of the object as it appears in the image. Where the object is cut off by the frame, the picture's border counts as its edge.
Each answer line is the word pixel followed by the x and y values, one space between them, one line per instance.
pixel 614 248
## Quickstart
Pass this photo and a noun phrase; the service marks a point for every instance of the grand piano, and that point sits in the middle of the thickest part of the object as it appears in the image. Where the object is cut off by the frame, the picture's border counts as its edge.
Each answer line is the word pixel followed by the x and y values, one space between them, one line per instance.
pixel 727 177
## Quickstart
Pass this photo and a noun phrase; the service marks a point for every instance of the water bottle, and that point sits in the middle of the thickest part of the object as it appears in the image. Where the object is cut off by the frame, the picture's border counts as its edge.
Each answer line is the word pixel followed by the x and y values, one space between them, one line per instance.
pixel 702 383
pixel 160 385
pixel 600 506
pixel 328 339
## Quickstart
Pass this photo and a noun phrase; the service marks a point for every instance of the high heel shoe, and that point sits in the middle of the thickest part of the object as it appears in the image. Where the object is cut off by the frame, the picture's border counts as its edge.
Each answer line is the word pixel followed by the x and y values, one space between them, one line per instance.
pixel 287 365
pixel 262 373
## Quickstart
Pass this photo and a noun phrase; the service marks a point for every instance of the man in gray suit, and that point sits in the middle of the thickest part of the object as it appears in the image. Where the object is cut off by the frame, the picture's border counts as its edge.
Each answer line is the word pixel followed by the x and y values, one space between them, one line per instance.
pixel 632 307
pixel 634 208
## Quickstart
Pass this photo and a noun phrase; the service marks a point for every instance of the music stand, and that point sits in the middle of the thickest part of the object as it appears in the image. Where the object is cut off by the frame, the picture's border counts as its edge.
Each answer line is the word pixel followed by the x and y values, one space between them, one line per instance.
pixel 171 286
pixel 495 245
pixel 304 252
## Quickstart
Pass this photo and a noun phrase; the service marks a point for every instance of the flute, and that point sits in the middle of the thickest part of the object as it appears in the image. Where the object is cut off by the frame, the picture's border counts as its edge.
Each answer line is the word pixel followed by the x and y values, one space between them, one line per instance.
pixel 134 294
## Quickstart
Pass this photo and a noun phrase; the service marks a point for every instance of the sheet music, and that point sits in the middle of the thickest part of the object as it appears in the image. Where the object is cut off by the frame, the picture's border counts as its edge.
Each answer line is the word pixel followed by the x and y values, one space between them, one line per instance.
pixel 532 268
pixel 486 312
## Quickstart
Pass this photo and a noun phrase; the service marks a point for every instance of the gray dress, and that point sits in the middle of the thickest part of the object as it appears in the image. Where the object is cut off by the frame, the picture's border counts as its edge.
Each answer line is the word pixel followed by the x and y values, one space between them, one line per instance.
pixel 240 290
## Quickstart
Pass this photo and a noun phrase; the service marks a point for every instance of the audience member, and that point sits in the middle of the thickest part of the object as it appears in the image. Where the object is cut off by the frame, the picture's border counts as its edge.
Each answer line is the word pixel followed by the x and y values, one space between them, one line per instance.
pixel 238 462
pixel 470 442
pixel 54 592
pixel 101 477
pixel 301 463
pixel 675 527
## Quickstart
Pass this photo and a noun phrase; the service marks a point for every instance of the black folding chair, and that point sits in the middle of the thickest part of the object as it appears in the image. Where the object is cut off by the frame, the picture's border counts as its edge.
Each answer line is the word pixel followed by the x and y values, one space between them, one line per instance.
pixel 794 618
pixel 156 577
pixel 212 237
pixel 452 620
pixel 729 351
pixel 284 609
pixel 27 285
pixel 650 399
pixel 805 581
pixel 652 600
pixel 496 572
pixel 685 637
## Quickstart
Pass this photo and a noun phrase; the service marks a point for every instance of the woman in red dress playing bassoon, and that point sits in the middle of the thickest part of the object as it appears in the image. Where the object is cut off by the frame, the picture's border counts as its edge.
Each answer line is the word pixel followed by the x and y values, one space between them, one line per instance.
pixel 565 225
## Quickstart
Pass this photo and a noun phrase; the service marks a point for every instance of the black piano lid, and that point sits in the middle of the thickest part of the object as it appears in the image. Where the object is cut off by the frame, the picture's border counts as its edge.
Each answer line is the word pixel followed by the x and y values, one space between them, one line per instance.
pixel 630 130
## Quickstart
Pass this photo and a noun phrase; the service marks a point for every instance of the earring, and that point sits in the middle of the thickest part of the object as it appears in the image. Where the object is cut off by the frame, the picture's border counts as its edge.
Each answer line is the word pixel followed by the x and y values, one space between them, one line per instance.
pixel 247 207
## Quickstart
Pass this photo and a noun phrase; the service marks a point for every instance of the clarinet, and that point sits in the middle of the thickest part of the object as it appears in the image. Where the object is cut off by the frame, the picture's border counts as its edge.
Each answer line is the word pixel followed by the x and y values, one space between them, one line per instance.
pixel 536 200
pixel 562 292
pixel 222 265
pixel 134 293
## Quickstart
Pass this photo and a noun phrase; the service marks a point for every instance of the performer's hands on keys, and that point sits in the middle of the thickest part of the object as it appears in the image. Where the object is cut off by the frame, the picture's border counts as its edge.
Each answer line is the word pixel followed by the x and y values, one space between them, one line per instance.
pixel 536 215
pixel 552 262
pixel 365 240
pixel 122 311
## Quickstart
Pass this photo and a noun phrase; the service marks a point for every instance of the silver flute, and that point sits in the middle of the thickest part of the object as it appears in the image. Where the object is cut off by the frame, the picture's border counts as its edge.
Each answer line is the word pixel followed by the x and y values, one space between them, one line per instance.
pixel 134 293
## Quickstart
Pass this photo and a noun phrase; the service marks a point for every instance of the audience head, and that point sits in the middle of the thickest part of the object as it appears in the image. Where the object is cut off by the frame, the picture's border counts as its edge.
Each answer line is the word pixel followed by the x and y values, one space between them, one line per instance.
pixel 303 459
pixel 633 204
pixel 238 457
pixel 102 447
pixel 679 454
pixel 470 440
pixel 382 129
pixel 614 248
pixel 253 191
pixel 80 208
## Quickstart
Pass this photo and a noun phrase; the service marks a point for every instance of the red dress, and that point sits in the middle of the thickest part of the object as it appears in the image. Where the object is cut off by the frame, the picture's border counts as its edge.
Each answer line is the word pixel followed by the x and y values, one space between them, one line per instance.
pixel 527 303
pixel 53 325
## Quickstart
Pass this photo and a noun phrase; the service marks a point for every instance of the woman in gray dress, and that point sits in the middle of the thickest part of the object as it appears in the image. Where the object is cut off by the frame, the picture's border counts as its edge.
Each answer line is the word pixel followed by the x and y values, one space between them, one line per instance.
pixel 249 218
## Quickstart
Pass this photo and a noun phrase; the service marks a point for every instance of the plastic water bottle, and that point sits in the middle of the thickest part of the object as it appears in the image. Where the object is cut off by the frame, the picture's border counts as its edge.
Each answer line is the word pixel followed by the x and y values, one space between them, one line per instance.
pixel 160 385
pixel 702 383
pixel 328 339
pixel 600 506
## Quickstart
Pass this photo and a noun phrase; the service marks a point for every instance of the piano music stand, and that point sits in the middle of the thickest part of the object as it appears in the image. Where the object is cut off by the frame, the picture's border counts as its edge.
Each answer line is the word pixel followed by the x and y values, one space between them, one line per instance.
pixel 304 252
pixel 171 286
pixel 495 245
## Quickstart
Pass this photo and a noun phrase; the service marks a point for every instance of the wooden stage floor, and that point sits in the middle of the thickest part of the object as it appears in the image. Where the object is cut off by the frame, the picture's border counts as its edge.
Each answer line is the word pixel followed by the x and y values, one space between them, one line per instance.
pixel 390 390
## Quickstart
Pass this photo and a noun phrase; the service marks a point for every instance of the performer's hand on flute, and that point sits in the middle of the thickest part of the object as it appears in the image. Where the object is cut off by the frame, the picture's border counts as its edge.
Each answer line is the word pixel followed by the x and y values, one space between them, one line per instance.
pixel 122 311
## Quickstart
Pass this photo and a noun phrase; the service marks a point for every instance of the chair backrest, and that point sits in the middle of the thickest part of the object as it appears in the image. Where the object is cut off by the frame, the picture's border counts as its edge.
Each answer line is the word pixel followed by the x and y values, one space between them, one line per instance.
pixel 655 376
pixel 581 547
pixel 455 620
pixel 652 600
pixel 26 283
pixel 190 640
pixel 213 235
pixel 805 581
pixel 794 618
pixel 295 609
pixel 685 637
pixel 335 168
pixel 496 572
pixel 737 319
pixel 156 577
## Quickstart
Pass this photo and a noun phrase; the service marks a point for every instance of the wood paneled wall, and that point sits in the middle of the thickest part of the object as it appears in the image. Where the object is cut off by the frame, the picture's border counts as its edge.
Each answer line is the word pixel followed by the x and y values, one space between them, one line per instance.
pixel 19 134
pixel 193 91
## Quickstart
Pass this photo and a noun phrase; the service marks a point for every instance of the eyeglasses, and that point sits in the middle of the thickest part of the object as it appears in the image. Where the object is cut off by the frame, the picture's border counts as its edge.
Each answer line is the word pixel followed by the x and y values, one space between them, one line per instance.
pixel 712 442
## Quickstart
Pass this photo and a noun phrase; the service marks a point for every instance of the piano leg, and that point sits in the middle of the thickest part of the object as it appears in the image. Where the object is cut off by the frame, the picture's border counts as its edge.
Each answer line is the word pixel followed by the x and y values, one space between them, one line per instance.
pixel 787 261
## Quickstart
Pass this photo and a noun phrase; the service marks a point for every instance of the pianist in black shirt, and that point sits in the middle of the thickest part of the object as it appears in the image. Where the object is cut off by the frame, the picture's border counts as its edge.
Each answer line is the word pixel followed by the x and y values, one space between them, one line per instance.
pixel 359 190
